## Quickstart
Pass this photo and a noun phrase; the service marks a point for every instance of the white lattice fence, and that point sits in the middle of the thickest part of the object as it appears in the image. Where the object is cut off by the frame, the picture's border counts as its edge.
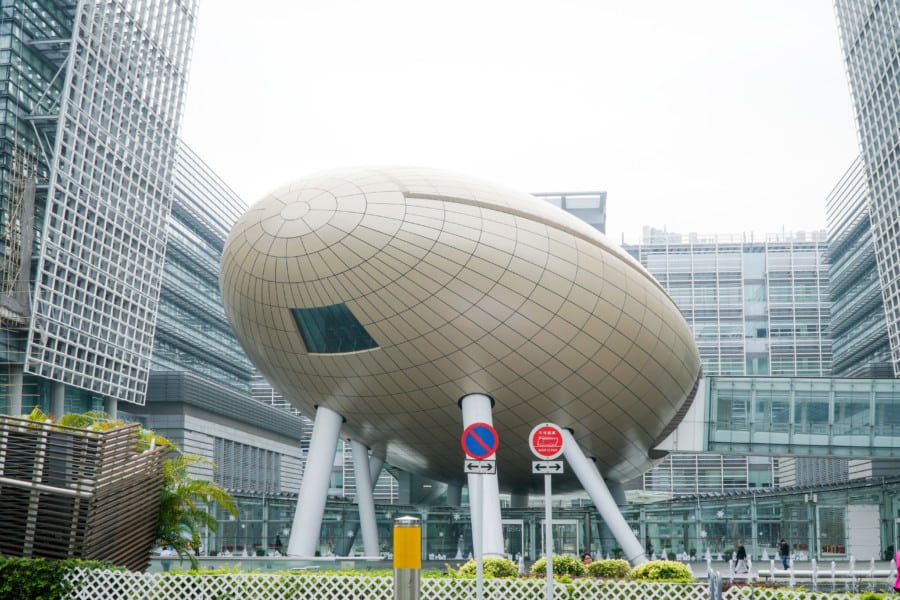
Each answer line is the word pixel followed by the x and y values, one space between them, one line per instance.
pixel 747 592
pixel 99 584
pixel 123 585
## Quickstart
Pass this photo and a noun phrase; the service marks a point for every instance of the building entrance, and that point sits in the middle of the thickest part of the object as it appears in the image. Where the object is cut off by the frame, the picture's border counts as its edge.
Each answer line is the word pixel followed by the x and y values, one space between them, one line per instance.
pixel 514 538
pixel 566 536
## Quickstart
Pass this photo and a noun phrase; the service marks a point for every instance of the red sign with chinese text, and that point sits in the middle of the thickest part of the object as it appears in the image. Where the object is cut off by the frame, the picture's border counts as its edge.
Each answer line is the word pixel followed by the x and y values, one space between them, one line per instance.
pixel 546 441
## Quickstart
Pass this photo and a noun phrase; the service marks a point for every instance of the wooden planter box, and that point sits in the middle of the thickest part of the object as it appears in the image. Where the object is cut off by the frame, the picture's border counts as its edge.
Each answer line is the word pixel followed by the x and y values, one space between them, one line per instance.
pixel 67 492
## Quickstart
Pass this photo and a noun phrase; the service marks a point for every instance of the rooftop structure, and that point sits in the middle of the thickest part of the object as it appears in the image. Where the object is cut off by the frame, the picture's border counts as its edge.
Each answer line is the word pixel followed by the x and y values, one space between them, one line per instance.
pixel 590 207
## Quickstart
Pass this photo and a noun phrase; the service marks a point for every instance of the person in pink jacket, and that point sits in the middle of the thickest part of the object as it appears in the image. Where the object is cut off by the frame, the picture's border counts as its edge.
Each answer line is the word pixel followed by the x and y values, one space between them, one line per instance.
pixel 897 566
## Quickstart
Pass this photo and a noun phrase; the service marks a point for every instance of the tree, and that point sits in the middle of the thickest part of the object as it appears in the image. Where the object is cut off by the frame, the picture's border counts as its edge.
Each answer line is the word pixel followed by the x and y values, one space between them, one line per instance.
pixel 183 506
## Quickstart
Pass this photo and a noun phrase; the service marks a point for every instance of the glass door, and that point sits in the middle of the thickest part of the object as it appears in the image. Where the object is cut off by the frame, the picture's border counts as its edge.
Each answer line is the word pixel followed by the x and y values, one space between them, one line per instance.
pixel 513 538
pixel 566 536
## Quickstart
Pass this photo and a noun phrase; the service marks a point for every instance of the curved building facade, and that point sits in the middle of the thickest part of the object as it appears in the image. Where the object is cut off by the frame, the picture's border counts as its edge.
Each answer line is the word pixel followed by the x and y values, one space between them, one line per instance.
pixel 386 295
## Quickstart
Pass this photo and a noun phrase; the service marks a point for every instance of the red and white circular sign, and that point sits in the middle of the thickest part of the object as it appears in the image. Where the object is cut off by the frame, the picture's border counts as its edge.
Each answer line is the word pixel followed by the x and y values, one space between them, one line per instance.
pixel 546 441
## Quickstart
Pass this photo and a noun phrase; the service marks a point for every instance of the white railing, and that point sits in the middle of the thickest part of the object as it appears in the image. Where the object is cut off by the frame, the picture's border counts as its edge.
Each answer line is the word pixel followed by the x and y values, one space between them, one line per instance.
pixel 97 584
pixel 851 575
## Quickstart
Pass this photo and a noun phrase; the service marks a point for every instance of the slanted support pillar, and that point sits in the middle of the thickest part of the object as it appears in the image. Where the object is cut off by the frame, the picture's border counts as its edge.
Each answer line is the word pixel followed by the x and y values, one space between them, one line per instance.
pixel 375 465
pixel 365 499
pixel 487 531
pixel 307 526
pixel 344 546
pixel 593 484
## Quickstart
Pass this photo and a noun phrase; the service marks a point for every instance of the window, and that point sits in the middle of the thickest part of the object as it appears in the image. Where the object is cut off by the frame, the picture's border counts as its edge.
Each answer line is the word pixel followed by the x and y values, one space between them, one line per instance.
pixel 332 329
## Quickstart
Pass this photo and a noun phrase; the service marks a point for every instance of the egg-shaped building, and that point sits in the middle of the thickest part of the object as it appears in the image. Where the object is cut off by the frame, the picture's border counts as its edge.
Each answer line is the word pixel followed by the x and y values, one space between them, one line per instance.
pixel 387 294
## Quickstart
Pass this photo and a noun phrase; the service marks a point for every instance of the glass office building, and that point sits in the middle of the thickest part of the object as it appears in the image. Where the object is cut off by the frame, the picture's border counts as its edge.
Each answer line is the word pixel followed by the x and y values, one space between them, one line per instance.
pixel 859 333
pixel 203 393
pixel 110 235
pixel 870 37
pixel 91 111
pixel 756 308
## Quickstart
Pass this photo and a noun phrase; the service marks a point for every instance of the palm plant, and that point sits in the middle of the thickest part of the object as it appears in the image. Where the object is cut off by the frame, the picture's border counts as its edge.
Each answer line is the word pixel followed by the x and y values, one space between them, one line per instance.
pixel 183 505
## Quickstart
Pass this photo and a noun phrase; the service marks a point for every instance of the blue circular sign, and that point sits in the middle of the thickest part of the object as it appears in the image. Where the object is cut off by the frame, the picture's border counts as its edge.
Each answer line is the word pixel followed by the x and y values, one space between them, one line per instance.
pixel 480 441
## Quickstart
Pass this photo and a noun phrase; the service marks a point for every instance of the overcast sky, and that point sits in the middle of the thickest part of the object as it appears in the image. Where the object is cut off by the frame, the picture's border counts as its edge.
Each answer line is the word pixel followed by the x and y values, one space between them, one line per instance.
pixel 707 116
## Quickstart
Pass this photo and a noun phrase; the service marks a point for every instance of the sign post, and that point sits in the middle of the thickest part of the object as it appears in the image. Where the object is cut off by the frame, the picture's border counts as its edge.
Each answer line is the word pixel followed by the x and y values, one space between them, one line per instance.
pixel 546 442
pixel 479 442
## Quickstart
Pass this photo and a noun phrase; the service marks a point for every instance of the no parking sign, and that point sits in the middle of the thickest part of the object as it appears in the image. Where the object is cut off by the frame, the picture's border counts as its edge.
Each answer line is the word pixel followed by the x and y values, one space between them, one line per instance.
pixel 480 441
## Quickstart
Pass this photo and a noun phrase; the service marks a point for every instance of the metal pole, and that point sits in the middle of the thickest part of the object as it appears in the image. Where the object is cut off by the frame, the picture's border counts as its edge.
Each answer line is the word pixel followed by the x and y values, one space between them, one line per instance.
pixel 407 558
pixel 478 546
pixel 548 533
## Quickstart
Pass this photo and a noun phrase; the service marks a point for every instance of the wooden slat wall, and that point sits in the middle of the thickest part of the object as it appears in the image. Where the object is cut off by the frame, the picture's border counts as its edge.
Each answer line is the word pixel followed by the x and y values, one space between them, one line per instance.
pixel 73 493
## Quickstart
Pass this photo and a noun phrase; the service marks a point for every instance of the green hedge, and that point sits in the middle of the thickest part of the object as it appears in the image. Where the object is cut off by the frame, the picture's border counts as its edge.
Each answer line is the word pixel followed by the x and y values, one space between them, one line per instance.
pixel 611 568
pixel 491 567
pixel 563 564
pixel 39 579
pixel 663 570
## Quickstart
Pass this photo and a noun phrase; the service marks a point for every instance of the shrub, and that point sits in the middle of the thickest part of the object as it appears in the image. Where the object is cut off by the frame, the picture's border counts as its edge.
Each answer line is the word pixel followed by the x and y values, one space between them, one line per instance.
pixel 491 566
pixel 662 570
pixel 39 579
pixel 613 568
pixel 562 565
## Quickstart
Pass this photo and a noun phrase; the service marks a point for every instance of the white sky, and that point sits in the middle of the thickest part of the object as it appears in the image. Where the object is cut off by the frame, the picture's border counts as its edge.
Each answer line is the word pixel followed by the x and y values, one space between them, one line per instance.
pixel 701 115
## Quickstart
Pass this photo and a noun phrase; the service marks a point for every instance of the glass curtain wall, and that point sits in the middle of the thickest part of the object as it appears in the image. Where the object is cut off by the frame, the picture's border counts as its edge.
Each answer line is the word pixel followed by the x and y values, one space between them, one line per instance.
pixel 818 523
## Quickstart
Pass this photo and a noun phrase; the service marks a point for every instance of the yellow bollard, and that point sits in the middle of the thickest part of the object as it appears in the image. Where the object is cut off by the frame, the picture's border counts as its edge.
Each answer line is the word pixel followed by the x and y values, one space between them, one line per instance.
pixel 407 558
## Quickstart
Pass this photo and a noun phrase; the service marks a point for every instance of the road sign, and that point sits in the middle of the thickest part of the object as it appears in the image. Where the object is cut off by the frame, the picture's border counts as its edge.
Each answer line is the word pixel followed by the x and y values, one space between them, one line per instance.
pixel 479 441
pixel 547 467
pixel 546 441
pixel 481 467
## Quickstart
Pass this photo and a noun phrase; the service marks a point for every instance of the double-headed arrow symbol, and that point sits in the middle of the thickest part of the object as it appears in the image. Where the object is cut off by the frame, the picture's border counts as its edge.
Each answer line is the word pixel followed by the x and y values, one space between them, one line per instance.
pixel 546 467
pixel 477 466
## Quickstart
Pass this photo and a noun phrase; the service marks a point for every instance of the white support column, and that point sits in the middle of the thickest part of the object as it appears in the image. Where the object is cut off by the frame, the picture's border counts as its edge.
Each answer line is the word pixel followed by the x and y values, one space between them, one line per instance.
pixel 593 484
pixel 111 408
pixel 477 408
pixel 365 500
pixel 14 397
pixel 307 526
pixel 518 500
pixel 57 399
pixel 454 494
